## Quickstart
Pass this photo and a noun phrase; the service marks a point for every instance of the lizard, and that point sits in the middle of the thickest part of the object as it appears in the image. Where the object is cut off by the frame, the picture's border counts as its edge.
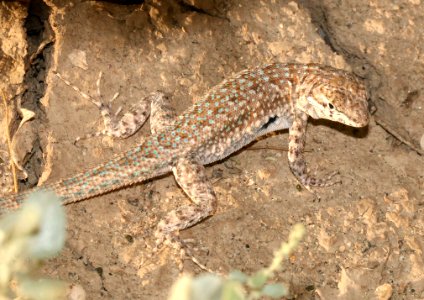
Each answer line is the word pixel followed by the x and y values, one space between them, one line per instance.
pixel 233 114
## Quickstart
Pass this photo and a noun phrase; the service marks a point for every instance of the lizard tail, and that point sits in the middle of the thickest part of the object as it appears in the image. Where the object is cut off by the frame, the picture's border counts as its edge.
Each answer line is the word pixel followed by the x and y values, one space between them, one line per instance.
pixel 125 169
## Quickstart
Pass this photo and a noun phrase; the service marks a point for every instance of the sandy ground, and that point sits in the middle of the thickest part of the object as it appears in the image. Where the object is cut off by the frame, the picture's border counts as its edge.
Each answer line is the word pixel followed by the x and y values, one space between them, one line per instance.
pixel 364 237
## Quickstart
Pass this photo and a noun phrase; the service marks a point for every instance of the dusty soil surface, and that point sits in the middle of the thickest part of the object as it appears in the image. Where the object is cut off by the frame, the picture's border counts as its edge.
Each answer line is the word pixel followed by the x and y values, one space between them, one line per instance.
pixel 364 237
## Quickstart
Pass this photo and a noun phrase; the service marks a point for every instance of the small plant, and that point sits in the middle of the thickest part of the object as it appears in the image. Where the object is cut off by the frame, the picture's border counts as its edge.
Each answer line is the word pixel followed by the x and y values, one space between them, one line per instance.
pixel 27 236
pixel 238 285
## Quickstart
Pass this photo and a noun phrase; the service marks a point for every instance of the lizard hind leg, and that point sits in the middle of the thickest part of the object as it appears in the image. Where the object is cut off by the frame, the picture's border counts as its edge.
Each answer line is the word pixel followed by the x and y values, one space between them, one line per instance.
pixel 162 114
pixel 192 179
pixel 113 126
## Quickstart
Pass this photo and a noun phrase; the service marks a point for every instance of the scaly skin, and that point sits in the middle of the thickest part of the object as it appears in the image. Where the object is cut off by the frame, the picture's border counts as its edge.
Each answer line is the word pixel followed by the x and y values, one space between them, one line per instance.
pixel 232 115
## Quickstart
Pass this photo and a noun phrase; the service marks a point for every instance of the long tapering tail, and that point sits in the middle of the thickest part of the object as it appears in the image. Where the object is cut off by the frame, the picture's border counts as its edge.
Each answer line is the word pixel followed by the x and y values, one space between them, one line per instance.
pixel 125 169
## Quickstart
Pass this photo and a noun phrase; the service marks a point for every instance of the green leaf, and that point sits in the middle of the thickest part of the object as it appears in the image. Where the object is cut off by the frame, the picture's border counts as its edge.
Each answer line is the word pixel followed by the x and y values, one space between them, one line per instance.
pixel 50 237
pixel 206 286
pixel 275 290
pixel 42 289
pixel 257 281
pixel 232 290
pixel 238 276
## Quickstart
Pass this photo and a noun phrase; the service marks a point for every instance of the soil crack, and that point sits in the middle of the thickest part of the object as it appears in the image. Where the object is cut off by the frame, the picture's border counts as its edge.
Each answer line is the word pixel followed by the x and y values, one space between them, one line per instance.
pixel 40 42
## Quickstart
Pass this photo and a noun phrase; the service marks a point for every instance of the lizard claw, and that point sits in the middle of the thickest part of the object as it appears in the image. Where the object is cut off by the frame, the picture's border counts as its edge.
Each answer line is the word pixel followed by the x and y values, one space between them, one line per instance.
pixel 328 180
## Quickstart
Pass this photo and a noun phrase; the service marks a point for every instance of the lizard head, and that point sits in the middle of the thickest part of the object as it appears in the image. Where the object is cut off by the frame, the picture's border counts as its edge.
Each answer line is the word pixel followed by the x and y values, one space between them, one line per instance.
pixel 336 95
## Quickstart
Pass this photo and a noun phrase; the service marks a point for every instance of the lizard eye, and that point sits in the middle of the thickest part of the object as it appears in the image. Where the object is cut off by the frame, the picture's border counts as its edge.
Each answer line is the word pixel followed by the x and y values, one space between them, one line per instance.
pixel 331 106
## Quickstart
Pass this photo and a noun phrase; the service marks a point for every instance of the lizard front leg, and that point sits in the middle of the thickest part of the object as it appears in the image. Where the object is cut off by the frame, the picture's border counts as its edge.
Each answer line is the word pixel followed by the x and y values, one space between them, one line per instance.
pixel 297 162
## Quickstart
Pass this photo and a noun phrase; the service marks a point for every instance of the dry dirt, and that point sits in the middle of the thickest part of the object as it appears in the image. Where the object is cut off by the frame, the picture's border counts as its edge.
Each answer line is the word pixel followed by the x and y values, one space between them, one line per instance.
pixel 364 238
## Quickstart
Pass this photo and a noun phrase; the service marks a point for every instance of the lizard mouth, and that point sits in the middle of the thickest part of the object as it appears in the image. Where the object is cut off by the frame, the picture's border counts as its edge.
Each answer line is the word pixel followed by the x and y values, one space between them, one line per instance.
pixel 362 119
pixel 360 116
